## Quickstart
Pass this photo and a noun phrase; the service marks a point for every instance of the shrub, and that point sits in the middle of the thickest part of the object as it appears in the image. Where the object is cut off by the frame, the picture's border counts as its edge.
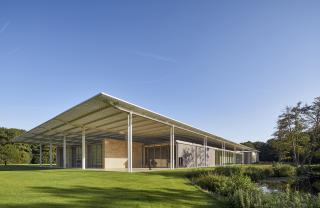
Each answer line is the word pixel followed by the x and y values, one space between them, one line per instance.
pixel 258 173
pixel 247 198
pixel 283 170
pixel 228 170
pixel 214 183
pixel 316 186
pixel 290 199
pixel 224 185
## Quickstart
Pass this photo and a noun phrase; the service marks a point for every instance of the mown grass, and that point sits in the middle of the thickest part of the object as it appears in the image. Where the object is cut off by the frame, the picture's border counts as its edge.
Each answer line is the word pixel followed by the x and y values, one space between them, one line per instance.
pixel 31 186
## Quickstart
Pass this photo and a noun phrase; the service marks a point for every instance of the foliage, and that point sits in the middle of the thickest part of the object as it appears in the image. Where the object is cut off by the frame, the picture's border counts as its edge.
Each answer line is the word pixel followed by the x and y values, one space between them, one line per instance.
pixel 267 152
pixel 259 173
pixel 239 189
pixel 228 170
pixel 297 136
pixel 12 153
pixel 242 192
pixel 16 153
pixel 289 199
pixel 283 170
pixel 316 185
pixel 247 198
pixel 298 133
pixel 214 183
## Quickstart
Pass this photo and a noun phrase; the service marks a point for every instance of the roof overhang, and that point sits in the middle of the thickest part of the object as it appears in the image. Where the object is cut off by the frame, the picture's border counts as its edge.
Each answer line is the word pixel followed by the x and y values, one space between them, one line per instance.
pixel 105 116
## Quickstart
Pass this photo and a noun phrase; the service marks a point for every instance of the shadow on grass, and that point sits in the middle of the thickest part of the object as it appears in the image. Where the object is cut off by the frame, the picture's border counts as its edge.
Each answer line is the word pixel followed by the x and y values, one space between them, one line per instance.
pixel 24 167
pixel 82 196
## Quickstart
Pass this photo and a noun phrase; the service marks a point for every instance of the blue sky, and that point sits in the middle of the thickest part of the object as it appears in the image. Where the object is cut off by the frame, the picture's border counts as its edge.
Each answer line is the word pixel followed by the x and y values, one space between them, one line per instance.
pixel 228 67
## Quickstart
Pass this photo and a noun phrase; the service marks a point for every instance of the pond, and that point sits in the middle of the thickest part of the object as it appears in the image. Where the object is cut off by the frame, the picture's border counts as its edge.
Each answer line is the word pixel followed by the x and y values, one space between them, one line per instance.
pixel 281 184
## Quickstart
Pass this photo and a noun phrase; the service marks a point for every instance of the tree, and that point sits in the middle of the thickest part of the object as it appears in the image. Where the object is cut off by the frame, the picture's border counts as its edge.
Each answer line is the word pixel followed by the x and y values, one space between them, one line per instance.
pixel 297 135
pixel 13 153
pixel 312 114
pixel 266 151
pixel 10 153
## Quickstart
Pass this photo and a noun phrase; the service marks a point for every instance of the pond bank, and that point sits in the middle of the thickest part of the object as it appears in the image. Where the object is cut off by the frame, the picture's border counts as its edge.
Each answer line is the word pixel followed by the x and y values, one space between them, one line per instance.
pixel 250 186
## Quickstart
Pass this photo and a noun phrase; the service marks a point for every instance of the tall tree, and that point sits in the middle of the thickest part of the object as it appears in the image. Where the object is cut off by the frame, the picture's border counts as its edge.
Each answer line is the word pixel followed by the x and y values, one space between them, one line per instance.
pixel 291 138
pixel 312 114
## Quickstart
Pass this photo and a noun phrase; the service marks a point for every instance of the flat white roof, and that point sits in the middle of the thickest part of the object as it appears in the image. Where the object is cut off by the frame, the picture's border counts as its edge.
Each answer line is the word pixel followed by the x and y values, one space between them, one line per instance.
pixel 106 116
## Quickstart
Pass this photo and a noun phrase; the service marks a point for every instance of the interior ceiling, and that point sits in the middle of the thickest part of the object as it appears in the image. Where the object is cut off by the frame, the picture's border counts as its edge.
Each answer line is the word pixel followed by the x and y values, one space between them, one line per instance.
pixel 104 116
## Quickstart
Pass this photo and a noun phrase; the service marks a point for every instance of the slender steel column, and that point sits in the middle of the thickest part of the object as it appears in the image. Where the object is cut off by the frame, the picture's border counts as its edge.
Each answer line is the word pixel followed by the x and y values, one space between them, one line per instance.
pixel 221 159
pixel 242 157
pixel 50 154
pixel 40 156
pixel 130 142
pixel 205 144
pixel 172 148
pixel 64 151
pixel 83 148
pixel 234 155
pixel 224 153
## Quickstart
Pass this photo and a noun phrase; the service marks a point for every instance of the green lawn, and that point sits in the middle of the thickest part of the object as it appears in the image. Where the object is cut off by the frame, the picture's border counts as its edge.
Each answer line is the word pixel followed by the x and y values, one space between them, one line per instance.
pixel 26 186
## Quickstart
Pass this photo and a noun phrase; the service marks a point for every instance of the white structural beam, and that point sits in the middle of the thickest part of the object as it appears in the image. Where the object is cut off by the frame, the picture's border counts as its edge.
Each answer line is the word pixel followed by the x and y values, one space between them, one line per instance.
pixel 83 148
pixel 130 142
pixel 40 155
pixel 50 153
pixel 172 148
pixel 64 151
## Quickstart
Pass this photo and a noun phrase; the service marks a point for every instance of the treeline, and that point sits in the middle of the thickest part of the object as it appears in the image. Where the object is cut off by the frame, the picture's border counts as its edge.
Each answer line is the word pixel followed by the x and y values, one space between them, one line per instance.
pixel 16 153
pixel 297 136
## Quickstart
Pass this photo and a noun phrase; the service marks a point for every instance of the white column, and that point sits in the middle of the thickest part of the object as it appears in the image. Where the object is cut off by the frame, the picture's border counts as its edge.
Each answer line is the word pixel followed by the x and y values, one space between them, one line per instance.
pixel 64 151
pixel 130 142
pixel 205 144
pixel 224 153
pixel 83 148
pixel 196 156
pixel 172 143
pixel 50 153
pixel 221 159
pixel 40 156
pixel 242 157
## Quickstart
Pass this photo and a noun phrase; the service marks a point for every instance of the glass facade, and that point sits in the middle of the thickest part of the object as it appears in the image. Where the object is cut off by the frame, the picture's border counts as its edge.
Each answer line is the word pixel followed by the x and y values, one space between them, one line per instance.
pixel 94 155
pixel 157 156
pixel 74 156
pixel 218 157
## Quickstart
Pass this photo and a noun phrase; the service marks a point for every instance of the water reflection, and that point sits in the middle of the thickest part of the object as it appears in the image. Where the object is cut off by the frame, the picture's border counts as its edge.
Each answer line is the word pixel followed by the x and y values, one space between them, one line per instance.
pixel 281 184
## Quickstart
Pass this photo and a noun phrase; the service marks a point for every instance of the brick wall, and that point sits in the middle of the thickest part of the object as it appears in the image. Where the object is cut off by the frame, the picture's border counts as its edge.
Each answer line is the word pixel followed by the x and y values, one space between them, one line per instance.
pixel 116 151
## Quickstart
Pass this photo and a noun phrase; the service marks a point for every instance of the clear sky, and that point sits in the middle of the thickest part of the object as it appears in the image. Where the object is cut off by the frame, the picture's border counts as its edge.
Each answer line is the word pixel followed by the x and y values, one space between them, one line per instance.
pixel 228 67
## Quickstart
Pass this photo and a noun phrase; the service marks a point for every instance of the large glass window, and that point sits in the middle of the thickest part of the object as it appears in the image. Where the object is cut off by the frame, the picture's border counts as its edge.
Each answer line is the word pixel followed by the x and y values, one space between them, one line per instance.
pixel 94 156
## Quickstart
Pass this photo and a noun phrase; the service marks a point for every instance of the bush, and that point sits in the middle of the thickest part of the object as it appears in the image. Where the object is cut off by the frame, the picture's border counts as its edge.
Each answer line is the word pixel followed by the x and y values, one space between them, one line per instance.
pixel 258 173
pixel 236 184
pixel 228 170
pixel 214 183
pixel 290 199
pixel 283 170
pixel 316 186
pixel 224 185
pixel 247 198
